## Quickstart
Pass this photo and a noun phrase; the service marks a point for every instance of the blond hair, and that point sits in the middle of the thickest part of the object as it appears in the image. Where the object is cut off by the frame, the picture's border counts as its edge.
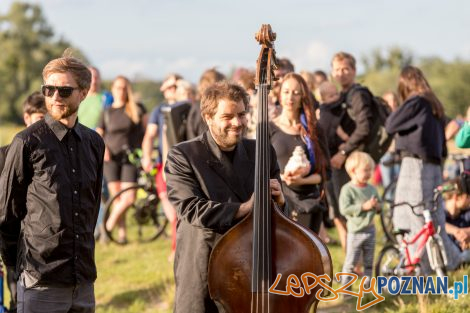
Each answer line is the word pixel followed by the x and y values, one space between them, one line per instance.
pixel 75 67
pixel 356 159
pixel 131 107
pixel 344 56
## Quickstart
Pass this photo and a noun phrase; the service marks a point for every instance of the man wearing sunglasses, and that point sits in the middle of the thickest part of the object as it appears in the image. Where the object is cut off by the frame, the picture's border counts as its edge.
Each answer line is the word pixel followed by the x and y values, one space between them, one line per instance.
pixel 49 198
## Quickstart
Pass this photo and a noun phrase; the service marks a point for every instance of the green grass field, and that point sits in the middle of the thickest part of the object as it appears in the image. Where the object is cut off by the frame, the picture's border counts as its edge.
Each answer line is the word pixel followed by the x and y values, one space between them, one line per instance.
pixel 137 278
pixel 7 132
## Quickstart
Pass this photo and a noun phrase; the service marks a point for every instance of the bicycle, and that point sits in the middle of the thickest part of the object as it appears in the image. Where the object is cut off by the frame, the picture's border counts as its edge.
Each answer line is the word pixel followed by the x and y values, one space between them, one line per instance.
pixel 396 260
pixel 388 198
pixel 148 218
pixel 386 213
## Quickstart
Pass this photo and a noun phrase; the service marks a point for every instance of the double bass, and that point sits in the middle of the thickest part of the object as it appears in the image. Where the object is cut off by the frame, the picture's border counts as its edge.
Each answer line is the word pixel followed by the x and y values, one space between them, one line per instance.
pixel 245 262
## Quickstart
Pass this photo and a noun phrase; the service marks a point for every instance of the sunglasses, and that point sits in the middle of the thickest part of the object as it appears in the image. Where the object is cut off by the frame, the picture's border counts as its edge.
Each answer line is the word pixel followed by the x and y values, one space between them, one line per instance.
pixel 64 91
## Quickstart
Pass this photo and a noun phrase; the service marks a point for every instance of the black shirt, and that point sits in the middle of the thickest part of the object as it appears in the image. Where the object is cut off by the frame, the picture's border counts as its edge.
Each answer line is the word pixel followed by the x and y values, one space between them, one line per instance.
pixel 195 125
pixel 357 123
pixel 419 132
pixel 49 201
pixel 3 156
pixel 120 132
pixel 330 118
pixel 302 197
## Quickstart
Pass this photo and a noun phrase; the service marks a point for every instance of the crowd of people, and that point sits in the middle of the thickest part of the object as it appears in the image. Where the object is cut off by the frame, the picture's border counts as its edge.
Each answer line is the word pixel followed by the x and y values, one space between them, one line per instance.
pixel 55 171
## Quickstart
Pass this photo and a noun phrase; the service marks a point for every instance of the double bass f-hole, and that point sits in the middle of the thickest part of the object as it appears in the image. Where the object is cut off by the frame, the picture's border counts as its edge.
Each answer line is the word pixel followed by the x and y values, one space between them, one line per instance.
pixel 245 261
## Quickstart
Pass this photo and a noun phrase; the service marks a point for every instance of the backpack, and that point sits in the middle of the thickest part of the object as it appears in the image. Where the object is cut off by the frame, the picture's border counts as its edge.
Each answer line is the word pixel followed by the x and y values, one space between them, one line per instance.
pixel 378 140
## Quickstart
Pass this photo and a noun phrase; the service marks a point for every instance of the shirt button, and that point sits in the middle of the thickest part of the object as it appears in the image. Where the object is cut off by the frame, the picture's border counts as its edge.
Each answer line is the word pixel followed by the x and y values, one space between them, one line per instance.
pixel 76 257
pixel 73 170
pixel 75 192
pixel 76 236
pixel 71 149
pixel 76 213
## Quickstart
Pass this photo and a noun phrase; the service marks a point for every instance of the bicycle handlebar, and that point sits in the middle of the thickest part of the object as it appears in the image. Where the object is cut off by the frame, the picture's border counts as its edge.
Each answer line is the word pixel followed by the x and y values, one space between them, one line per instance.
pixel 432 205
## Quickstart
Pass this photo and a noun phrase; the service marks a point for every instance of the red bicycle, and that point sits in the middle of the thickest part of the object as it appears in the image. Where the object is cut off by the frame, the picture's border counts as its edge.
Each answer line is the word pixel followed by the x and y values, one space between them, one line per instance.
pixel 396 260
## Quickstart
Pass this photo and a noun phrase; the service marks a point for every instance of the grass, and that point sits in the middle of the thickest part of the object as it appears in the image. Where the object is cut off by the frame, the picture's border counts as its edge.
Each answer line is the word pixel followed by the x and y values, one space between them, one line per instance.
pixel 134 278
pixel 399 304
pixel 7 132
pixel 138 278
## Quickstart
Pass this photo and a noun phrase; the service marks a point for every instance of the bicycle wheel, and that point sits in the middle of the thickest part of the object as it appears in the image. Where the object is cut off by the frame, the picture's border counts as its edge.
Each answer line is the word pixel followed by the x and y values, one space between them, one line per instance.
pixel 386 214
pixel 145 220
pixel 388 262
pixel 436 257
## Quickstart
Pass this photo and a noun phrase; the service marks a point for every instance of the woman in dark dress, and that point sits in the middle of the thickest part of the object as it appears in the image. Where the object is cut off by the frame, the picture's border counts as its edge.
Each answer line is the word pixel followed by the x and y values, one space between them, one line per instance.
pixel 295 127
pixel 122 127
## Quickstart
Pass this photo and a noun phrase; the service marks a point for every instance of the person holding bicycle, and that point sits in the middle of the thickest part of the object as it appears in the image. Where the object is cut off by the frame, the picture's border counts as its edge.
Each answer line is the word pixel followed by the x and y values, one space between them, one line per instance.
pixel 122 127
pixel 358 203
pixel 419 125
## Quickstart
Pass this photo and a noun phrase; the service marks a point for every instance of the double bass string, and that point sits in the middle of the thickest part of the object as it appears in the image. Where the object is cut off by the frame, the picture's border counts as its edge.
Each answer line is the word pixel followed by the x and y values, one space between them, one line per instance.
pixel 265 199
pixel 262 266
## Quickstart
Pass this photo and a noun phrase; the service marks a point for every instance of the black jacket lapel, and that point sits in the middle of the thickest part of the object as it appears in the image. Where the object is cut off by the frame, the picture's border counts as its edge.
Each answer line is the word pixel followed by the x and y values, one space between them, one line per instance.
pixel 232 174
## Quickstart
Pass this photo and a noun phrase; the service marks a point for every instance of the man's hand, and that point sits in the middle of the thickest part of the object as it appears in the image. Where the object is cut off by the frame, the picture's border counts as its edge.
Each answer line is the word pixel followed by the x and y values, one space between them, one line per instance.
pixel 276 192
pixel 462 236
pixel 338 160
pixel 245 207
pixel 107 155
pixel 146 164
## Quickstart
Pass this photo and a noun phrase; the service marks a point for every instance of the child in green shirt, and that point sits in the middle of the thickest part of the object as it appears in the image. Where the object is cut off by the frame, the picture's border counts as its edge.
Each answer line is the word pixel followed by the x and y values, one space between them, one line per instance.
pixel 358 203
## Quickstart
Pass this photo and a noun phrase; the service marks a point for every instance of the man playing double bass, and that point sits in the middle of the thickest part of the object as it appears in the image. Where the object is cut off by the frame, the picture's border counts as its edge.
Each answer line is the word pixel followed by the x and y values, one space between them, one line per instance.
pixel 210 181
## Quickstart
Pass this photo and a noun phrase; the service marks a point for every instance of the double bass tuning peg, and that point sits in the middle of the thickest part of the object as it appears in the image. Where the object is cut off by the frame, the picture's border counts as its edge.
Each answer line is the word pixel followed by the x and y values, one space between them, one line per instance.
pixel 265 36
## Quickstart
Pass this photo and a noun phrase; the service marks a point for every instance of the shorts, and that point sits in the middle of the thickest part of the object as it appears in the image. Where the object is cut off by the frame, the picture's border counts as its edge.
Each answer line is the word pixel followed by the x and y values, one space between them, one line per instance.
pixel 118 171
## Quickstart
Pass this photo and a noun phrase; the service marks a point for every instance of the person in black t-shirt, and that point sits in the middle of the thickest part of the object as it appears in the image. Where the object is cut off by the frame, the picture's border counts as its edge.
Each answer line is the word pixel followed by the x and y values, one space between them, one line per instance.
pixel 122 127
pixel 296 128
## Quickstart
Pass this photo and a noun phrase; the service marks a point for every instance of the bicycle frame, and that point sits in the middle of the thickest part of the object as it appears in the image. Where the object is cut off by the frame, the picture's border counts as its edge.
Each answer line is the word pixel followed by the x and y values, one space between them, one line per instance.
pixel 428 230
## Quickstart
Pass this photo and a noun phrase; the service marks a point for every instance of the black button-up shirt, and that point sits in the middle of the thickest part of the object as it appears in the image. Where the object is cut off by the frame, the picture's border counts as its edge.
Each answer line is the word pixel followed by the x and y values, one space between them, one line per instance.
pixel 50 193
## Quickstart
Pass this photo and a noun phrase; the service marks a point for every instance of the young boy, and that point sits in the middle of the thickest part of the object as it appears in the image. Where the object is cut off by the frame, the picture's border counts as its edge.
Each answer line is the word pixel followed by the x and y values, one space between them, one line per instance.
pixel 358 203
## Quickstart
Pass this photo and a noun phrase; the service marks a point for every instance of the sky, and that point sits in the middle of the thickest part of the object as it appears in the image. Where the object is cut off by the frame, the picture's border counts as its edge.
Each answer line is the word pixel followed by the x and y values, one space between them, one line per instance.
pixel 152 38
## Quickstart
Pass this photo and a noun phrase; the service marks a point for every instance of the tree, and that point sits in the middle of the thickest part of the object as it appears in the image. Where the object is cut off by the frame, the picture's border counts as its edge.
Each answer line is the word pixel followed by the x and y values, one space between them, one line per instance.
pixel 449 80
pixel 395 58
pixel 27 43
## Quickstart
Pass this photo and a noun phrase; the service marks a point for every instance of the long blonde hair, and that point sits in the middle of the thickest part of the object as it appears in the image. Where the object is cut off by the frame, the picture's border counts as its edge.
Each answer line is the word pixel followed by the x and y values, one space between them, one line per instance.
pixel 131 108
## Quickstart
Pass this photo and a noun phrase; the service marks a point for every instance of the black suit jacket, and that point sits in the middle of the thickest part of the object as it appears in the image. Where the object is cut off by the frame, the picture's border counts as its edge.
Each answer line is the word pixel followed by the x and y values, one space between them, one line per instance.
pixel 207 190
pixel 3 156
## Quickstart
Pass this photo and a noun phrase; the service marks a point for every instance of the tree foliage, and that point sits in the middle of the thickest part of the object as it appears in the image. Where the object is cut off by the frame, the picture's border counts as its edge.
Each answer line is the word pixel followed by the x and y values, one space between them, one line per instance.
pixel 27 43
pixel 449 80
